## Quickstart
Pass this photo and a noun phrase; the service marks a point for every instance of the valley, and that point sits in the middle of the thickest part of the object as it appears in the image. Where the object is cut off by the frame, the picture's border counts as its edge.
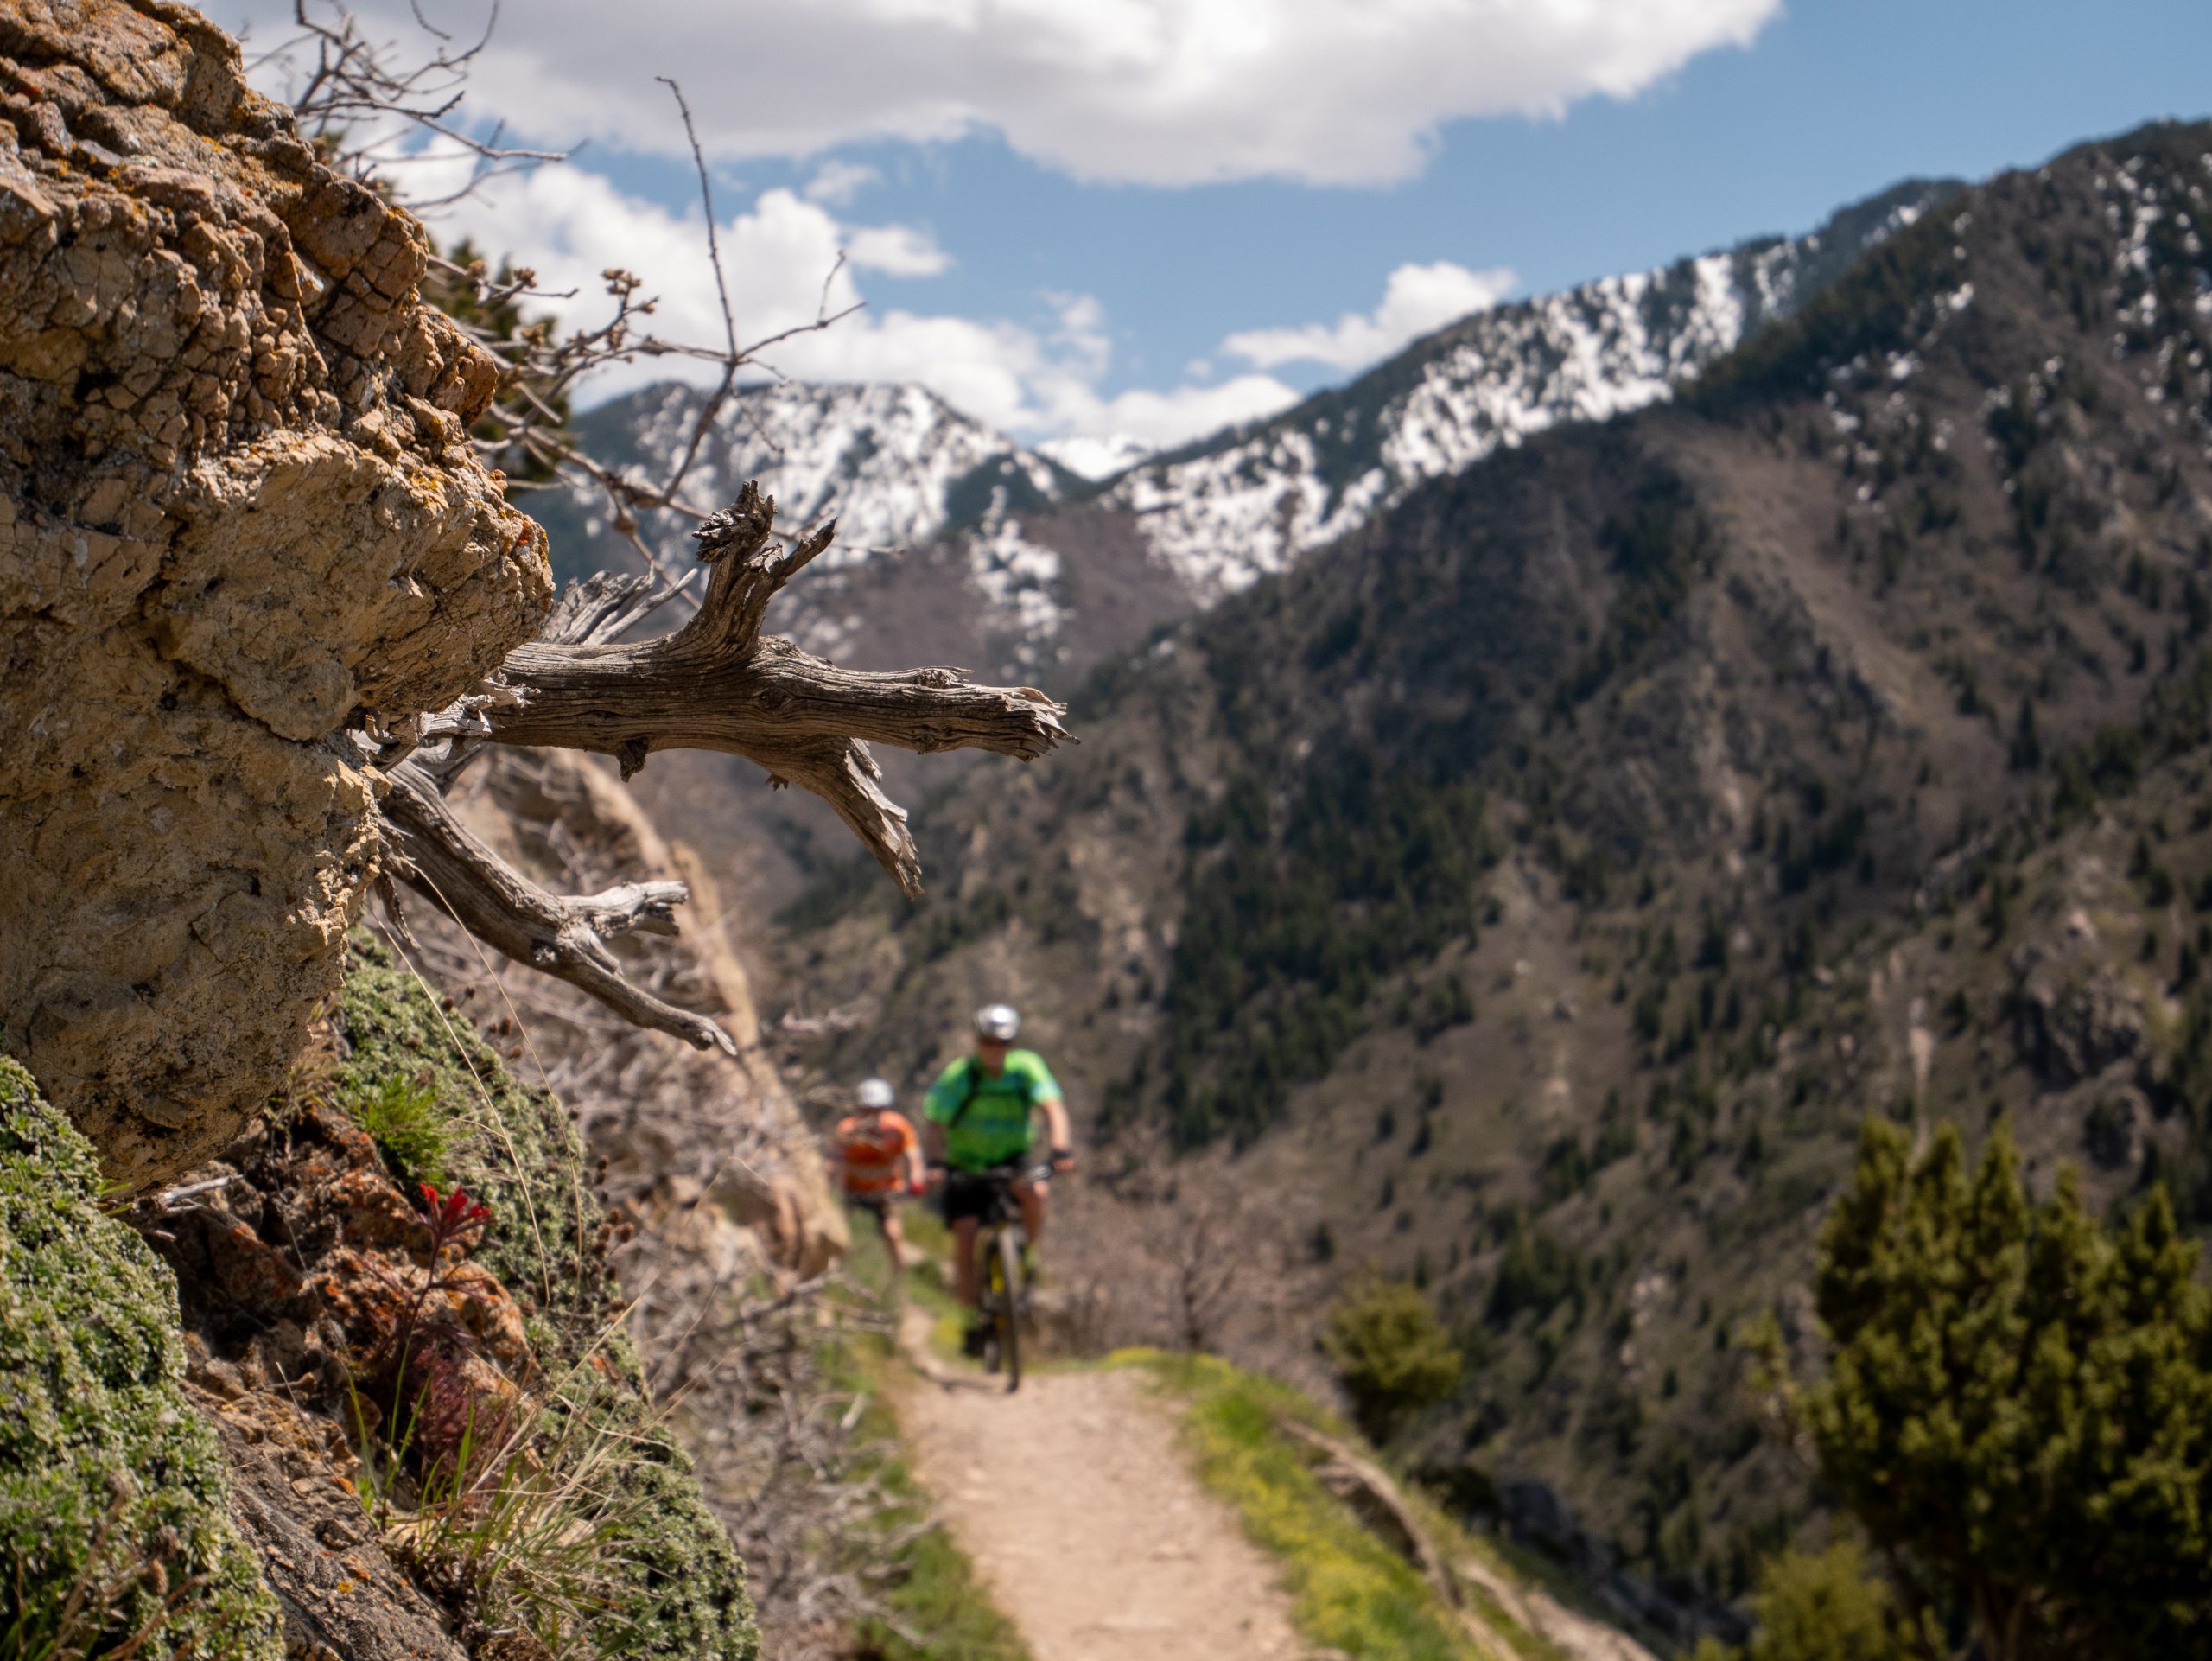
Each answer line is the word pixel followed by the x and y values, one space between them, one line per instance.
pixel 1531 895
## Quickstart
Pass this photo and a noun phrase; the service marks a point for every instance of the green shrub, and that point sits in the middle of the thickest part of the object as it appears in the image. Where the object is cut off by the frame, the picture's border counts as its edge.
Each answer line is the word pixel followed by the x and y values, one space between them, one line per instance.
pixel 1822 1608
pixel 1391 1352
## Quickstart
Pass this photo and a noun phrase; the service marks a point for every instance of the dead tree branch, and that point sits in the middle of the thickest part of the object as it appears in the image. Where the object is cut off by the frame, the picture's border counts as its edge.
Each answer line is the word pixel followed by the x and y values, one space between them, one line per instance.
pixel 565 937
pixel 718 683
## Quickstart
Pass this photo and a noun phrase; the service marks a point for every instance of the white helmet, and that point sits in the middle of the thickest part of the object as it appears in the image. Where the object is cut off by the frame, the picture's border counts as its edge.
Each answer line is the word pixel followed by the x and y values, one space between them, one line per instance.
pixel 998 1021
pixel 876 1094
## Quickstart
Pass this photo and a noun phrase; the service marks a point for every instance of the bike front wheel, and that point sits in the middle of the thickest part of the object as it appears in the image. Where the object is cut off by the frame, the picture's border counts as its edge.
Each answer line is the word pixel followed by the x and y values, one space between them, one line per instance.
pixel 1005 1270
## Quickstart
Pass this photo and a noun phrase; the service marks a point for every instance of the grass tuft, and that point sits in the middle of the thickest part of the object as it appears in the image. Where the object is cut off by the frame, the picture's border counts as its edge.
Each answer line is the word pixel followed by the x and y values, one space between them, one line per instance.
pixel 409 1125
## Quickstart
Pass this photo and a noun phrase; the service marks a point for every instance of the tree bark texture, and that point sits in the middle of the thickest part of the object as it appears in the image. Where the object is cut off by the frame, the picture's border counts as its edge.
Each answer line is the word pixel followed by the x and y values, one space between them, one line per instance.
pixel 717 684
pixel 564 936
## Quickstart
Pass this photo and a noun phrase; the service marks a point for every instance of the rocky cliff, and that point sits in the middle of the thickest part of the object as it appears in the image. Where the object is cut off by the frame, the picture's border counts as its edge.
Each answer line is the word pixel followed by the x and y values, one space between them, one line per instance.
pixel 314 1341
pixel 237 510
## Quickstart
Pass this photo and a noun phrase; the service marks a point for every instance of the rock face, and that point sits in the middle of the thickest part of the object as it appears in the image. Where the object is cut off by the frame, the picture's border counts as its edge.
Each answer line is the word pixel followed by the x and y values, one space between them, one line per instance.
pixel 237 510
pixel 710 1152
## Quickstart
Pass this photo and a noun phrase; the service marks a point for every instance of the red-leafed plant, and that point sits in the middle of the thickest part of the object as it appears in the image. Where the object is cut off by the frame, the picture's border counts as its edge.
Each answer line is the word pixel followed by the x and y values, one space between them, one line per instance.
pixel 449 1217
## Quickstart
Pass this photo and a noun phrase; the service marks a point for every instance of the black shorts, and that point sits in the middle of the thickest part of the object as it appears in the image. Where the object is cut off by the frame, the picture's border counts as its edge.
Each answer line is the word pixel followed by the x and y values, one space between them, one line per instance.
pixel 877 1206
pixel 968 1194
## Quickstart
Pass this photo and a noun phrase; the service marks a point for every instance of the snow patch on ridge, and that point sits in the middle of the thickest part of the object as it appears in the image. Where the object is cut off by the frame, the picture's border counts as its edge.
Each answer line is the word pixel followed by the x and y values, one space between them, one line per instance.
pixel 884 462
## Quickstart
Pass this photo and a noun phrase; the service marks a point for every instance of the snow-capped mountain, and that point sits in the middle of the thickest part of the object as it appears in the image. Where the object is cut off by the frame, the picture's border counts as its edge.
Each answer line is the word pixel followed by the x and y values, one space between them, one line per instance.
pixel 1094 457
pixel 1230 510
pixel 1025 560
pixel 895 465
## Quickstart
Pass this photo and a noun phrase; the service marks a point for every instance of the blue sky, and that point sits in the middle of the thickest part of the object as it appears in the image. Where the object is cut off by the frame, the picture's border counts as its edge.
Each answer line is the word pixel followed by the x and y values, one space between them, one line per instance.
pixel 1050 253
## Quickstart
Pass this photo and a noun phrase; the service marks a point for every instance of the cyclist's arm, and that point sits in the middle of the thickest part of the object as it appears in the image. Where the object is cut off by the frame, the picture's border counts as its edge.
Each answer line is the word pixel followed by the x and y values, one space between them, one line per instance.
pixel 916 1176
pixel 1056 1125
pixel 934 1142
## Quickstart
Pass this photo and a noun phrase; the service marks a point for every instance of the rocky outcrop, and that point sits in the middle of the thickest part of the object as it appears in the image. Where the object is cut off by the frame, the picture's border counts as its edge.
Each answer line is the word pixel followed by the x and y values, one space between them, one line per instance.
pixel 2072 1015
pixel 352 1363
pixel 698 1144
pixel 238 509
pixel 114 1505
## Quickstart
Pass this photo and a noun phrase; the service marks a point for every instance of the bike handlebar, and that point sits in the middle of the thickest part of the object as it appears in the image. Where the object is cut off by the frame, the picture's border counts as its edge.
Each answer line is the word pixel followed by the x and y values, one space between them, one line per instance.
pixel 997 1176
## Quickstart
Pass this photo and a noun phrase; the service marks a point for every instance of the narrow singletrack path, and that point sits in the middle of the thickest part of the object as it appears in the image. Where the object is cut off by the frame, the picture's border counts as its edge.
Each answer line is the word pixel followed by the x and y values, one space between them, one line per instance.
pixel 1080 1514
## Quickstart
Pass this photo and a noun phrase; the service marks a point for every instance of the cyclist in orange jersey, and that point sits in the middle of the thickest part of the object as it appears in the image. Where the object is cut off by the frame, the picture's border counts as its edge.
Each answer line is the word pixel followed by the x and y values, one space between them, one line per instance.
pixel 878 1162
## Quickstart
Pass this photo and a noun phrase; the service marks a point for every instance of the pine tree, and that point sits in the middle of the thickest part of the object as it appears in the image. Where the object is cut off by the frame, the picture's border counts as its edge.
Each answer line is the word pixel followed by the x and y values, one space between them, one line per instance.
pixel 2027 748
pixel 2017 1405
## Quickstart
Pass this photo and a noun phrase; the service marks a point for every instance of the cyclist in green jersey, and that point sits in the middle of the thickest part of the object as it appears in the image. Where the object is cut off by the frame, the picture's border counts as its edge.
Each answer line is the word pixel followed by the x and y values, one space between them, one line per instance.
pixel 980 1120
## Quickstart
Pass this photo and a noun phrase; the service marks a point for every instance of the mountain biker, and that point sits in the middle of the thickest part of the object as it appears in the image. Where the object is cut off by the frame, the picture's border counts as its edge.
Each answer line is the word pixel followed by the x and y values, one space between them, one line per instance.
pixel 879 1158
pixel 979 1123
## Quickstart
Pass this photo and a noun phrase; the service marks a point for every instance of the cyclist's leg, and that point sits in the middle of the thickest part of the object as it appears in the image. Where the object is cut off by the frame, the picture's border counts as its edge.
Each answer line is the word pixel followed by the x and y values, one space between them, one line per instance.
pixel 894 1238
pixel 1031 1197
pixel 966 1280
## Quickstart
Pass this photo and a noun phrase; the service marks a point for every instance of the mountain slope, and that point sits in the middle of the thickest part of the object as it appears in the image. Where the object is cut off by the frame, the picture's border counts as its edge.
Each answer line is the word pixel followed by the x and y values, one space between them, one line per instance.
pixel 958 546
pixel 1537 890
pixel 1035 549
pixel 1246 503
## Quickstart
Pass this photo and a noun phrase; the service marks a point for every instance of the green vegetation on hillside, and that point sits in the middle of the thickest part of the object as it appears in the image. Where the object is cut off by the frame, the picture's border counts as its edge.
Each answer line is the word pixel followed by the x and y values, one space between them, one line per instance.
pixel 1295 918
pixel 114 1529
pixel 1351 1592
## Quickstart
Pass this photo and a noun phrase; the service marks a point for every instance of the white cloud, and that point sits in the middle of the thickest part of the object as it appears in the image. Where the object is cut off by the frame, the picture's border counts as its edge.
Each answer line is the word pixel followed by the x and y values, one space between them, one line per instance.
pixel 1160 420
pixel 569 225
pixel 1416 300
pixel 1162 92
pixel 836 182
pixel 897 251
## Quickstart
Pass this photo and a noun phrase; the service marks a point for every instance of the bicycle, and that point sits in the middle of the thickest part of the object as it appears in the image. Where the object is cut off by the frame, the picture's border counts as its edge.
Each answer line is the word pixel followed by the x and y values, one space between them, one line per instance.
pixel 1004 1278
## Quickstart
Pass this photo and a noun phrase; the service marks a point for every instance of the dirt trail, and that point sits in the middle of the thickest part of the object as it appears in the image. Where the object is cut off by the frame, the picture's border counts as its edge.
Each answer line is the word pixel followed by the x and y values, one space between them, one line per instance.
pixel 1080 1513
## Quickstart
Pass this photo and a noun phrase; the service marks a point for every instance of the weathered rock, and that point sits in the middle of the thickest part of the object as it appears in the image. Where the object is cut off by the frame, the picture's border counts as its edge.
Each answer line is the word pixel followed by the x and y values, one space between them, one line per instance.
pixel 111 1487
pixel 237 510
pixel 2072 1020
pixel 697 1141
pixel 292 1495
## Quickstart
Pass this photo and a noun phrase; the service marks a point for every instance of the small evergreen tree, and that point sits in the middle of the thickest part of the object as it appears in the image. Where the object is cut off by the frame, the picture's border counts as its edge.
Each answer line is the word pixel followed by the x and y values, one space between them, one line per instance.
pixel 2018 1406
pixel 1823 1607
pixel 1392 1354
pixel 2027 748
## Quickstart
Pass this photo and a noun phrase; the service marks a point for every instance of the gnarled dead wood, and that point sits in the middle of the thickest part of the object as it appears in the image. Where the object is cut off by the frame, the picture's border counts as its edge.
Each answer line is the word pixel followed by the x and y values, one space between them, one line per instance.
pixel 564 936
pixel 717 684
pixel 1375 1499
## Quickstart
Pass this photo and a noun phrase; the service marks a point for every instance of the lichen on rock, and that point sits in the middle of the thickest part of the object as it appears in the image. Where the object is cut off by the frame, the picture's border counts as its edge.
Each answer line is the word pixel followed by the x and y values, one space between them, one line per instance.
pixel 237 510
pixel 111 1484
pixel 547 1244
pixel 300 1273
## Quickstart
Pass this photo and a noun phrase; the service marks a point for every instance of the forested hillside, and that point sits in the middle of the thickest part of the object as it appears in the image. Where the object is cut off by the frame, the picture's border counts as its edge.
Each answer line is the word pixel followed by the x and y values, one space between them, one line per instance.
pixel 1532 894
pixel 957 543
